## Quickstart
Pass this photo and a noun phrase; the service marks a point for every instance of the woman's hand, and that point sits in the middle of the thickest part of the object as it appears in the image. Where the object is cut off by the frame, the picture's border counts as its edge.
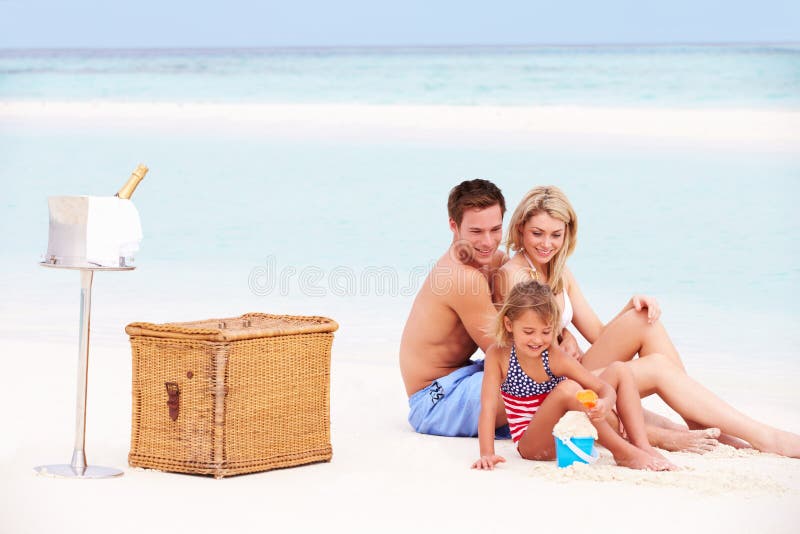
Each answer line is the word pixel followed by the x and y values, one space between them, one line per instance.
pixel 488 461
pixel 640 302
pixel 570 345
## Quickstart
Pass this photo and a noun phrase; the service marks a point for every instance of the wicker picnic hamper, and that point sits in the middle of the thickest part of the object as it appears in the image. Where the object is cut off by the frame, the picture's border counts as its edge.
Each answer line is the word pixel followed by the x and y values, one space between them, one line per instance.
pixel 231 396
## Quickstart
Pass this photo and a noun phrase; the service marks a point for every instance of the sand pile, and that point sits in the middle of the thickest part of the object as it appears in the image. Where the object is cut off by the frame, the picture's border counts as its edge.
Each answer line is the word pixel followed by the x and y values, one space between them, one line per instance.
pixel 718 472
pixel 574 424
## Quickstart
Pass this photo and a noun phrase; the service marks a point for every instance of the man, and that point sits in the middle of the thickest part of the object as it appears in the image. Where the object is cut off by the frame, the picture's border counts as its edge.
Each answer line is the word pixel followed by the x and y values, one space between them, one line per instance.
pixel 450 318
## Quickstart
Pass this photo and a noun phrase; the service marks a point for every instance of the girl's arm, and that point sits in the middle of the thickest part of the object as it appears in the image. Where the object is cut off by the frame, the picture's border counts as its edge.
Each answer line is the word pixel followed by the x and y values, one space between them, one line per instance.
pixel 490 397
pixel 563 365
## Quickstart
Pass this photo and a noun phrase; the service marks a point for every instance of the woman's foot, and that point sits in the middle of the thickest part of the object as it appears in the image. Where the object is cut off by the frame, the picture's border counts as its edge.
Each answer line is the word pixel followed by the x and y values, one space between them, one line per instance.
pixel 683 440
pixel 736 443
pixel 782 443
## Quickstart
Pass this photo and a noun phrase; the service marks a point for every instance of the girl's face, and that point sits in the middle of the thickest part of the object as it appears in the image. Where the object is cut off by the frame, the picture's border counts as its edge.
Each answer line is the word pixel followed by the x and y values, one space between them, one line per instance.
pixel 530 333
pixel 543 237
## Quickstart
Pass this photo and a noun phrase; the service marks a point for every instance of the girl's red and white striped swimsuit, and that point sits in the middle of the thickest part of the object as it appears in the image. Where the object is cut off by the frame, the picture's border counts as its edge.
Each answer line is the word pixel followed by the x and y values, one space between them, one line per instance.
pixel 522 395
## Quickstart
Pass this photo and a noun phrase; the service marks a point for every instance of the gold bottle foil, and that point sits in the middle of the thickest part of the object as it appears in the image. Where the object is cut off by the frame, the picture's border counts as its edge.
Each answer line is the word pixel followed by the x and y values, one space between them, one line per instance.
pixel 130 186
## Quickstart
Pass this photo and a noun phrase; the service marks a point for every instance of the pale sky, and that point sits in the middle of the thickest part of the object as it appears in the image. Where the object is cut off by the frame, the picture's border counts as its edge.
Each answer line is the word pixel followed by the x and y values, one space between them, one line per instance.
pixel 252 23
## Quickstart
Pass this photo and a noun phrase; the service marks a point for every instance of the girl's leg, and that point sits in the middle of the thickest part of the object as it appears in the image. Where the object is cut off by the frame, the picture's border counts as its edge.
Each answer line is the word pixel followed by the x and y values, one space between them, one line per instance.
pixel 627 335
pixel 629 407
pixel 668 435
pixel 537 441
pixel 699 406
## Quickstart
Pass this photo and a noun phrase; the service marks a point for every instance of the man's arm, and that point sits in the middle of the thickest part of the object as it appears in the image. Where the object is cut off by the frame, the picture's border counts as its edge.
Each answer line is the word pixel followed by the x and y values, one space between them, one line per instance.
pixel 472 301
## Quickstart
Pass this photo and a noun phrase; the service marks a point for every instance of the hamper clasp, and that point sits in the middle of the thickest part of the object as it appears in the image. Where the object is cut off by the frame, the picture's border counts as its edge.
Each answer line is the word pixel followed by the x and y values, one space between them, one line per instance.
pixel 173 394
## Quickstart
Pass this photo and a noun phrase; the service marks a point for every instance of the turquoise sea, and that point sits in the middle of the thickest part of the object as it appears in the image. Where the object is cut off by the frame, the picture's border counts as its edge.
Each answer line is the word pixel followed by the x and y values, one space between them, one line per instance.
pixel 237 223
pixel 747 75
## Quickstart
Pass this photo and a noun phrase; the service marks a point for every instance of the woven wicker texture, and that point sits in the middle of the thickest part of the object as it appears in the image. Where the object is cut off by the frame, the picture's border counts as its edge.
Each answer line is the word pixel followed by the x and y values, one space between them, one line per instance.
pixel 247 404
pixel 248 326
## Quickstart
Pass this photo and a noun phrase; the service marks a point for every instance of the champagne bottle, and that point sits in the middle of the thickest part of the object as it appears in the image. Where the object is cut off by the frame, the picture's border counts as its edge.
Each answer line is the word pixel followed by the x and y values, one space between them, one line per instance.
pixel 130 186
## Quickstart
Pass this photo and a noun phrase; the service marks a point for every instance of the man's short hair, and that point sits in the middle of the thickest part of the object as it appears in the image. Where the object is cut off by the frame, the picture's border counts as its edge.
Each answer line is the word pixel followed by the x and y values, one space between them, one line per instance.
pixel 476 193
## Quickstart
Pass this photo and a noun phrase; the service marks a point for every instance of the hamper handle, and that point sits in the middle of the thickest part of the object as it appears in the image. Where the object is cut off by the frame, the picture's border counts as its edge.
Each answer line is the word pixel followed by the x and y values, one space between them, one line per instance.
pixel 246 323
pixel 173 395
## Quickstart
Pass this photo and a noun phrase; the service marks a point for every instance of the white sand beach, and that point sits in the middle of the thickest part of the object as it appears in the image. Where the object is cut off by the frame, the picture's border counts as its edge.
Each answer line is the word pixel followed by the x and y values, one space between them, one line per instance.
pixel 504 125
pixel 383 477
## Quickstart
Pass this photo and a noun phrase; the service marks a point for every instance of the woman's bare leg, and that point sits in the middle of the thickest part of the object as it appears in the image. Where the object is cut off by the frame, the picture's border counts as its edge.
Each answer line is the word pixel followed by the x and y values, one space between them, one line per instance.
pixel 537 441
pixel 695 438
pixel 659 374
pixel 628 335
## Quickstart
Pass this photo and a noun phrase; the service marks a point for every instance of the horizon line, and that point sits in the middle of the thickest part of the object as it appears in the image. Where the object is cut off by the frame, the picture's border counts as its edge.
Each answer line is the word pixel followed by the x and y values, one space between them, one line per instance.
pixel 402 46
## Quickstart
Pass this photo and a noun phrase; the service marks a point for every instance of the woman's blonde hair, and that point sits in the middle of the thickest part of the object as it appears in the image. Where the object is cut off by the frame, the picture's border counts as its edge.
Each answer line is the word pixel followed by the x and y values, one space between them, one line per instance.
pixel 551 200
pixel 527 296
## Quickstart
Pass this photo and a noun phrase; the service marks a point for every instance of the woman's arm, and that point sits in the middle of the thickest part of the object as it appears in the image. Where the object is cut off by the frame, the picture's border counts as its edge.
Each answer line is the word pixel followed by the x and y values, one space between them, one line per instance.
pixel 490 393
pixel 586 320
pixel 583 316
pixel 641 302
pixel 567 342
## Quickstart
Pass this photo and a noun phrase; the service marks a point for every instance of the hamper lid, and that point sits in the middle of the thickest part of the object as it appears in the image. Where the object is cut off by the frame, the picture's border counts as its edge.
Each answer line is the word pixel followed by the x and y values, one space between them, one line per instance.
pixel 247 326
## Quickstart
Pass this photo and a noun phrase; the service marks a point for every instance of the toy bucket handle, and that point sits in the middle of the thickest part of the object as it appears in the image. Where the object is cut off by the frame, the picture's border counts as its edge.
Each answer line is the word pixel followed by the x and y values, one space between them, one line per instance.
pixel 589 459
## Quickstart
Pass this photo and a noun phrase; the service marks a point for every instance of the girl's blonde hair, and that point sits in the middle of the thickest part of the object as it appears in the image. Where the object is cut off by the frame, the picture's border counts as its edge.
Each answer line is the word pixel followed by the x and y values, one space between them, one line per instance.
pixel 527 296
pixel 551 200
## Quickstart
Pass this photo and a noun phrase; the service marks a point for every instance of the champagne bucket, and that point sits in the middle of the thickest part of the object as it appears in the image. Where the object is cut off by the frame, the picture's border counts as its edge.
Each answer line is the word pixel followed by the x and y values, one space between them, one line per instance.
pixel 90 232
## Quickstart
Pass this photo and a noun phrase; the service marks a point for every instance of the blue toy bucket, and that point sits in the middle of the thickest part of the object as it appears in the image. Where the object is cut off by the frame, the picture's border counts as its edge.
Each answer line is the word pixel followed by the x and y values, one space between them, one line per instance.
pixel 573 450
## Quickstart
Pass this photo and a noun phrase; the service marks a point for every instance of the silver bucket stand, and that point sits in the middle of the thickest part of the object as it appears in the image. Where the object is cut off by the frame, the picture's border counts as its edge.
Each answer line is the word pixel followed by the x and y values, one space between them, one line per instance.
pixel 78 467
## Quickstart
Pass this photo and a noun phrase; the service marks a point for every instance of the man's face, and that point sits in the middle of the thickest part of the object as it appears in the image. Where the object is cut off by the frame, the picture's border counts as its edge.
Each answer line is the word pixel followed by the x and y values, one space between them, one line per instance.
pixel 483 230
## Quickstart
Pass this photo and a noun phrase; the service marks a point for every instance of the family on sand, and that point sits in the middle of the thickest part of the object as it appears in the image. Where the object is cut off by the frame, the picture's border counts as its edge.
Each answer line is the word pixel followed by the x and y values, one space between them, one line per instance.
pixel 533 366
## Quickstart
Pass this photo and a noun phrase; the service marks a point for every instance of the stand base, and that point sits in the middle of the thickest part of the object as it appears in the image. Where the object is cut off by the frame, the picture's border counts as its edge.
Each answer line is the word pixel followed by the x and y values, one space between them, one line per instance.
pixel 67 471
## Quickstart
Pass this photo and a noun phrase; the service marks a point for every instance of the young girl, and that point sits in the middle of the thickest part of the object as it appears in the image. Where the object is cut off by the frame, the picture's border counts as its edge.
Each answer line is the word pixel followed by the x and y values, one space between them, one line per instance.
pixel 539 382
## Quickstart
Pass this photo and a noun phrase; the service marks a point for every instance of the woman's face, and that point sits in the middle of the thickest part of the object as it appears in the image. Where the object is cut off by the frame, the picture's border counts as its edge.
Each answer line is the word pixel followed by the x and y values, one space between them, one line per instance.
pixel 543 237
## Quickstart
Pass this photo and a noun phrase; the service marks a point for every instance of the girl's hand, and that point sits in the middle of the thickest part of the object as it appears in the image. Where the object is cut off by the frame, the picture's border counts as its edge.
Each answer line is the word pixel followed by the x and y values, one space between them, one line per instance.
pixel 641 302
pixel 600 410
pixel 488 461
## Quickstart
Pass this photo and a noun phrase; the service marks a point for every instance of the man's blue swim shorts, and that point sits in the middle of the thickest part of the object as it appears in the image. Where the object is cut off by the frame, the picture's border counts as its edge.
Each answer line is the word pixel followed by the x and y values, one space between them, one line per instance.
pixel 450 406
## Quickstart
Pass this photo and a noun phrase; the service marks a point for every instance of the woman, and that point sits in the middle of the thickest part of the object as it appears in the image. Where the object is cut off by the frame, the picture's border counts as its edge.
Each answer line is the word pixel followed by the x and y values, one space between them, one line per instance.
pixel 542 234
